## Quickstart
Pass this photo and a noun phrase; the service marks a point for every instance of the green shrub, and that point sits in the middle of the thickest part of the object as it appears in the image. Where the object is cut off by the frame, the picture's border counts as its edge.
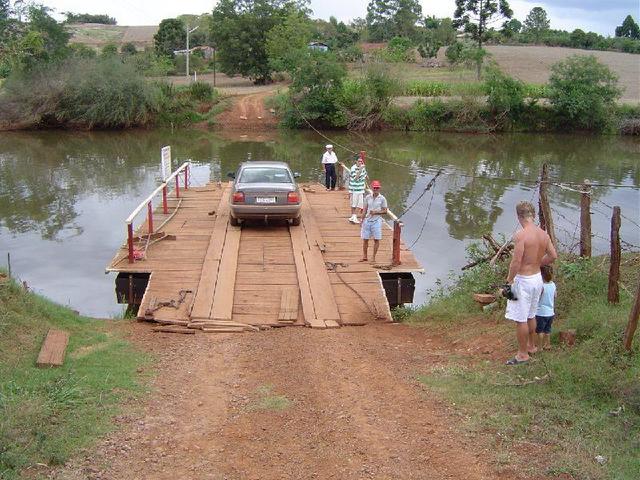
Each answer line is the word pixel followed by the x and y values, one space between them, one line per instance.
pixel 505 95
pixel 453 52
pixel 314 95
pixel 365 100
pixel 583 93
pixel 196 64
pixel 399 49
pixel 201 91
pixel 99 93
pixel 129 49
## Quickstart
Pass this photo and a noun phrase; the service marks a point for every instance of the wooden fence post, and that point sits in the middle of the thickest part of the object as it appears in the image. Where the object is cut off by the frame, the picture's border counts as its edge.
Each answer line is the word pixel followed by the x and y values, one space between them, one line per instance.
pixel 633 322
pixel 585 220
pixel 397 230
pixel 544 210
pixel 614 269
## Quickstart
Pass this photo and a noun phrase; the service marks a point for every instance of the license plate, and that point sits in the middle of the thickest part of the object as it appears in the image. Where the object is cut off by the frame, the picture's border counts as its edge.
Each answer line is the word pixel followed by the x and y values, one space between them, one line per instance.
pixel 265 199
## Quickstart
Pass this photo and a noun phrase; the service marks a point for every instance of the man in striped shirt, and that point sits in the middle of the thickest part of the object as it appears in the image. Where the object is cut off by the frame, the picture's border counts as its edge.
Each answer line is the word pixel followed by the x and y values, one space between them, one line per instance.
pixel 357 177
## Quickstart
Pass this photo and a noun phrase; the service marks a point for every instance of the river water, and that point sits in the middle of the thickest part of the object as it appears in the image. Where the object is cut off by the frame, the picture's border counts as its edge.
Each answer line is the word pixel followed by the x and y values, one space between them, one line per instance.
pixel 64 195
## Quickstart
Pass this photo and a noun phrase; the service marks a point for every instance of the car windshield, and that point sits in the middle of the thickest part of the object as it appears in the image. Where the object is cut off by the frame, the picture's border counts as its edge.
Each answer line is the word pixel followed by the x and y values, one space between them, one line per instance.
pixel 265 175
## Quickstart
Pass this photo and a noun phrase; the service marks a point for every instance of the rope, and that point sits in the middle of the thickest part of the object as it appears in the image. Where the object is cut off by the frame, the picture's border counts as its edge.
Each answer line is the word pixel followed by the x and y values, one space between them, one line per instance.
pixel 424 223
pixel 426 189
pixel 429 170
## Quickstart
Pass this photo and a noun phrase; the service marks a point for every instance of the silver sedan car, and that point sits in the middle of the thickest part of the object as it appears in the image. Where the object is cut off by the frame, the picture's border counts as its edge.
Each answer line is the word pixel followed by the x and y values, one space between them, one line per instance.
pixel 264 191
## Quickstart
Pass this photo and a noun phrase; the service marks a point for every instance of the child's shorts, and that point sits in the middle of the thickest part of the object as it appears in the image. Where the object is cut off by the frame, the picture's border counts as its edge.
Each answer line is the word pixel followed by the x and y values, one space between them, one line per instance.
pixel 543 324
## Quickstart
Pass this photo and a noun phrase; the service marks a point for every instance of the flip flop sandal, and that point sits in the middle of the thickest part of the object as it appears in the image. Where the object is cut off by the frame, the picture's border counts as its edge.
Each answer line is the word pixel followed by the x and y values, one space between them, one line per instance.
pixel 515 361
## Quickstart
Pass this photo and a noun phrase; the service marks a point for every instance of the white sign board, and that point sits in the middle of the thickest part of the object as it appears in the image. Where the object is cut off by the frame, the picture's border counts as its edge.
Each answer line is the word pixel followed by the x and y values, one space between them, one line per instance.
pixel 165 162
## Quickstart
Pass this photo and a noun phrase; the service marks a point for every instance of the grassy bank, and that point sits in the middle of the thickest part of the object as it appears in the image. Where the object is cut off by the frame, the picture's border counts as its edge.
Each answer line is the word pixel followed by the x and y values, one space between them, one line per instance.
pixel 48 414
pixel 106 93
pixel 566 407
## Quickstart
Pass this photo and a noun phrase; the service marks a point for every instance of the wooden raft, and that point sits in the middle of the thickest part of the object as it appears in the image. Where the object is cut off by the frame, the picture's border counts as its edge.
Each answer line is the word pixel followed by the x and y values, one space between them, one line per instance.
pixel 214 277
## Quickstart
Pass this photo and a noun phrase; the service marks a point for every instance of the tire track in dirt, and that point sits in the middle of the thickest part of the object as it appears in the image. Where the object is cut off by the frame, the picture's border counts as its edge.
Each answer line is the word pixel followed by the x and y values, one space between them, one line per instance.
pixel 356 411
pixel 248 113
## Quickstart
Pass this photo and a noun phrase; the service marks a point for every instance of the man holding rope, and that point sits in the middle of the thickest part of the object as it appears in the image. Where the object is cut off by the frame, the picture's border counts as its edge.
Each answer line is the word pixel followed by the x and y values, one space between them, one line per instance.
pixel 375 205
pixel 533 249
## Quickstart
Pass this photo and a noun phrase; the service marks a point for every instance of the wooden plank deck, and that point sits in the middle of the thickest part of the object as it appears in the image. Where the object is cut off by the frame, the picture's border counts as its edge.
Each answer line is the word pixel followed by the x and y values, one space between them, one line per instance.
pixel 210 275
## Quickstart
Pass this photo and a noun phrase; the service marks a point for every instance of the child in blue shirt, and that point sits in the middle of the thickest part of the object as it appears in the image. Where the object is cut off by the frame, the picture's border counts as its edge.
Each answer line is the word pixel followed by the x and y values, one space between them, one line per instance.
pixel 545 313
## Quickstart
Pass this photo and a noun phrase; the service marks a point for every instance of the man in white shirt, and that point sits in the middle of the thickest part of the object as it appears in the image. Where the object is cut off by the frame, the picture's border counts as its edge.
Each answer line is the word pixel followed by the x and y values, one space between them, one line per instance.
pixel 329 160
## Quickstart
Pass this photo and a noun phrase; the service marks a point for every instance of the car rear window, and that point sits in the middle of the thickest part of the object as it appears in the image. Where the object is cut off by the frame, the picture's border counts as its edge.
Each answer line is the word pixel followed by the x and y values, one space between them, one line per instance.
pixel 265 175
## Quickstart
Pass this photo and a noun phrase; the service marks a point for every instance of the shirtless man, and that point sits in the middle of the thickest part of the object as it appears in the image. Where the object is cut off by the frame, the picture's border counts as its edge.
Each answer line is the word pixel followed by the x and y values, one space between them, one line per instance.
pixel 533 248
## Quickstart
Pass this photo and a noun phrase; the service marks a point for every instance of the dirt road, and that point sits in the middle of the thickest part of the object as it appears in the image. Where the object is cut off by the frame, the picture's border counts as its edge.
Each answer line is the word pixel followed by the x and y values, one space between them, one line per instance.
pixel 291 403
pixel 248 113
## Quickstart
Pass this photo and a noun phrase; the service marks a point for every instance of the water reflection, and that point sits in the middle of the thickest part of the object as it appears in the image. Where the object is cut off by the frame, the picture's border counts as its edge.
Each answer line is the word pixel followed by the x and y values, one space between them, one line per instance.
pixel 63 196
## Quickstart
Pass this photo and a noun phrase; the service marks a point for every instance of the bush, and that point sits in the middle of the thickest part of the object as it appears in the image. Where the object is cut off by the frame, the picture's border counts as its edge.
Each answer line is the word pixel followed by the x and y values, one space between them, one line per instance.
pixel 129 49
pixel 314 95
pixel 196 64
pixel 201 91
pixel 583 93
pixel 399 49
pixel 365 100
pixel 87 94
pixel 505 95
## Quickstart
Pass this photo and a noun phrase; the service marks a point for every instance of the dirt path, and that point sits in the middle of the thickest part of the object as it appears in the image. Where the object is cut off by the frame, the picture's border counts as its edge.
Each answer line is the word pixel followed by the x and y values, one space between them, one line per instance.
pixel 291 403
pixel 248 113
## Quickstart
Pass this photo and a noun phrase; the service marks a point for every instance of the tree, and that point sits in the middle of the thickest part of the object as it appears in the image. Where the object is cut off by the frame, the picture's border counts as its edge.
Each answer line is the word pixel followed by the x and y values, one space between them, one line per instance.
pixel 583 92
pixel 89 18
pixel 286 41
pixel 5 10
pixel 511 27
pixel 171 36
pixel 437 32
pixel 475 15
pixel 392 18
pixel 315 91
pixel 537 22
pixel 629 29
pixel 239 30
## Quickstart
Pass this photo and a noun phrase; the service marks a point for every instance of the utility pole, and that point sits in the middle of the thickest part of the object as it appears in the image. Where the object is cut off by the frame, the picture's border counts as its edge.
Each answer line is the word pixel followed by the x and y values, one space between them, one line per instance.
pixel 188 52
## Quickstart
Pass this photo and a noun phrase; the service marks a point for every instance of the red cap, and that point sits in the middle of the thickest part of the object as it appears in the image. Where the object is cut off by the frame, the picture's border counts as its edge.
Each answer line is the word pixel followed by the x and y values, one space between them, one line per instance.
pixel 375 184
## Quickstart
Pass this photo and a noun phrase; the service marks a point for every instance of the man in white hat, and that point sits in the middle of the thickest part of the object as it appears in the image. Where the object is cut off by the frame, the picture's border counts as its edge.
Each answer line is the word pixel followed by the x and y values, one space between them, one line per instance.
pixel 329 160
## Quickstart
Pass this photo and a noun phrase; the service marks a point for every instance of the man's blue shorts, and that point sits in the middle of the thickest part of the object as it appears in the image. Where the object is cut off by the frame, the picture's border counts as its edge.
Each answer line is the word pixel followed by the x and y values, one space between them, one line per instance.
pixel 543 324
pixel 371 229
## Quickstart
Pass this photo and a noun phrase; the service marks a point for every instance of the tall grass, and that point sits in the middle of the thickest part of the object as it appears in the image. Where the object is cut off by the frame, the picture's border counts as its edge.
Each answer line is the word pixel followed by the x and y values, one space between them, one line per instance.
pixel 79 93
pixel 48 414
pixel 588 402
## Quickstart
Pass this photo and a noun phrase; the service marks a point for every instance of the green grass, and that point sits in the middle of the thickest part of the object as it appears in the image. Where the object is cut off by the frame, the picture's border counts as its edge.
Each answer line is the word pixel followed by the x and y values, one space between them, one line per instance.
pixel 564 416
pixel 46 415
pixel 268 400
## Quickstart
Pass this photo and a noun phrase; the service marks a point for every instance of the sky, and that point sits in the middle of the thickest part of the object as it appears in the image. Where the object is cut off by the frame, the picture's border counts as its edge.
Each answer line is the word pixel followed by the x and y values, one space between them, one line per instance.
pixel 601 16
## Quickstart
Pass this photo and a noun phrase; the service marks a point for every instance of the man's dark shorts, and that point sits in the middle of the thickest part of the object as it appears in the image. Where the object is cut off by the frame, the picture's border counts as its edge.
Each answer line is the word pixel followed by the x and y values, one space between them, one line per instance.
pixel 543 324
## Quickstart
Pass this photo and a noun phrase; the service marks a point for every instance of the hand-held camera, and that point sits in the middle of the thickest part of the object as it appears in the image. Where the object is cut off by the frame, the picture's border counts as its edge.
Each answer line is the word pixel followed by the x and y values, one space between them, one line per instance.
pixel 507 292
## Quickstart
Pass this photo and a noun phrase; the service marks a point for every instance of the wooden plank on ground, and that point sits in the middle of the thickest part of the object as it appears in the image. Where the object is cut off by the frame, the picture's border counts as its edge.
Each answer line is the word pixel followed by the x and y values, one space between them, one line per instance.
pixel 223 296
pixel 289 304
pixel 312 232
pixel 53 349
pixel 299 244
pixel 324 301
pixel 206 287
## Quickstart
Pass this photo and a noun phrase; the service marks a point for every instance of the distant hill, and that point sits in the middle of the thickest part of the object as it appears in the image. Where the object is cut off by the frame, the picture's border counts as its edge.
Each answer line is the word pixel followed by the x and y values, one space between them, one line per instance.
pixel 97 35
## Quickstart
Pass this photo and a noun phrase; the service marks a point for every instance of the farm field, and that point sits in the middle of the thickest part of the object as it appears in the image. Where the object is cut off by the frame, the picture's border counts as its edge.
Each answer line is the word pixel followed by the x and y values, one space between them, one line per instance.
pixel 532 64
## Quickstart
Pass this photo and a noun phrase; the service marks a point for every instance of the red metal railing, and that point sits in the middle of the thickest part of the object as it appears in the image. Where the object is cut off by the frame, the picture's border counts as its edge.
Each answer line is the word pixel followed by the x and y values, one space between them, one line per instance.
pixel 148 202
